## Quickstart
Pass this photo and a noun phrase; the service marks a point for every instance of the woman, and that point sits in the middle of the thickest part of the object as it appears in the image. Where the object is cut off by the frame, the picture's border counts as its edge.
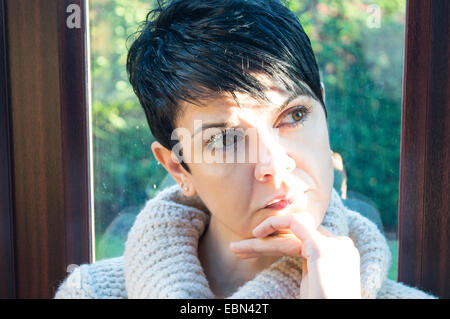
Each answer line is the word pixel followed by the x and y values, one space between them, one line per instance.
pixel 232 94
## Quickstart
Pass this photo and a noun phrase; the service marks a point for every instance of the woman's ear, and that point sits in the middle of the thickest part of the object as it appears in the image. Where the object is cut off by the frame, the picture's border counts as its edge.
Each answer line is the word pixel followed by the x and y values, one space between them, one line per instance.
pixel 173 167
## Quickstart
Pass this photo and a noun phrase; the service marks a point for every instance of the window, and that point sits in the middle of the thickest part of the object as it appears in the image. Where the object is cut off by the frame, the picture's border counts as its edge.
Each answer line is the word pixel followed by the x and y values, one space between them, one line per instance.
pixel 359 48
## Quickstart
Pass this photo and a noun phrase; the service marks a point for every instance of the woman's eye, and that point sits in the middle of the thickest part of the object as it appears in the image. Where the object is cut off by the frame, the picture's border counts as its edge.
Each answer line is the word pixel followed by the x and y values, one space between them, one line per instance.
pixel 295 116
pixel 223 140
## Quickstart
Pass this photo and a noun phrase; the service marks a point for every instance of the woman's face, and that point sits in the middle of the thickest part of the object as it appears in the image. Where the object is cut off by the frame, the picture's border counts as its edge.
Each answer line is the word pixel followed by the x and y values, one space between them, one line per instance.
pixel 276 153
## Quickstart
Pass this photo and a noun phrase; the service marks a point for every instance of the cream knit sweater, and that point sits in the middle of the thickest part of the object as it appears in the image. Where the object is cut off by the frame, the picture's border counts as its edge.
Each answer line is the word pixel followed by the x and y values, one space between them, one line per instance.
pixel 160 258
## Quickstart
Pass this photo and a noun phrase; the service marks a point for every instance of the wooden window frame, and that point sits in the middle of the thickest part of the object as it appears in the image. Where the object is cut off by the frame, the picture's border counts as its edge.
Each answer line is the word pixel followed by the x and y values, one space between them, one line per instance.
pixel 424 224
pixel 46 184
pixel 7 276
pixel 44 154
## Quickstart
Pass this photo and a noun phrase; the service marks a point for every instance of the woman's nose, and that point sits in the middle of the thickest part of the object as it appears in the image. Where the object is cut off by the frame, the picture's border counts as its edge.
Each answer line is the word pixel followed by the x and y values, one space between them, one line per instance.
pixel 273 163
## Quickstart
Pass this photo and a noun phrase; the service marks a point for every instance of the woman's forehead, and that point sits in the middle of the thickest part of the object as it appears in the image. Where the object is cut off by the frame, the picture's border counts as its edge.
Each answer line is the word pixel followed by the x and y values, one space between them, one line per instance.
pixel 225 105
pixel 230 109
pixel 226 102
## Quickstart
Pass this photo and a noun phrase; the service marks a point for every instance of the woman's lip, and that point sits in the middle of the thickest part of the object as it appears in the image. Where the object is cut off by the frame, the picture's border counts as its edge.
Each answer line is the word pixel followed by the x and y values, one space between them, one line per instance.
pixel 279 205
pixel 282 202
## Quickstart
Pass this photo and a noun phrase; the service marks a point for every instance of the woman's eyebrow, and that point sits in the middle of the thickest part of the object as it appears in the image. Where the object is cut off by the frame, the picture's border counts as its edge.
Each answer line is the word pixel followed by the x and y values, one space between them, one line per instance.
pixel 296 93
pixel 290 98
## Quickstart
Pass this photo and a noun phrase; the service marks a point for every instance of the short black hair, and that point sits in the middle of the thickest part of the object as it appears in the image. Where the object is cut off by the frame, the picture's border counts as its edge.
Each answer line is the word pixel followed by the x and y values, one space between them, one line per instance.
pixel 188 50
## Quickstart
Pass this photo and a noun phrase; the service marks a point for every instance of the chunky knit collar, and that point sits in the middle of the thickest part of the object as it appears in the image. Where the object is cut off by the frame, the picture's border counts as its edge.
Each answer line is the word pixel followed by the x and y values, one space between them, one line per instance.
pixel 161 252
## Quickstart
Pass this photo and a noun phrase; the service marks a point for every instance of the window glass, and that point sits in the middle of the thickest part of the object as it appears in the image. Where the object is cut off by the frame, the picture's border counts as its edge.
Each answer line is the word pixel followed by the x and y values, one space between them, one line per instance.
pixel 125 171
pixel 359 49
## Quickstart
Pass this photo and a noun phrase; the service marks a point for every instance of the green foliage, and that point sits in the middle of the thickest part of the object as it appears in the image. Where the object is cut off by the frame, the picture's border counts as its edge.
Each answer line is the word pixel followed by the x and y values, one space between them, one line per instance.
pixel 361 68
pixel 111 23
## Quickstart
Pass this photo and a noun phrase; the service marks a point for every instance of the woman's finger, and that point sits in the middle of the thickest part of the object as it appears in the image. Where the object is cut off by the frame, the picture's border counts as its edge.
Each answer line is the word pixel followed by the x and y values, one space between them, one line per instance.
pixel 283 245
pixel 246 256
pixel 302 225
pixel 271 225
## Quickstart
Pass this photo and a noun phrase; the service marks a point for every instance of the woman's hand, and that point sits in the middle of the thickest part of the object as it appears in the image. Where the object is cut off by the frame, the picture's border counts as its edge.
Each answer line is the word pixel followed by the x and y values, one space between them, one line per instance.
pixel 330 263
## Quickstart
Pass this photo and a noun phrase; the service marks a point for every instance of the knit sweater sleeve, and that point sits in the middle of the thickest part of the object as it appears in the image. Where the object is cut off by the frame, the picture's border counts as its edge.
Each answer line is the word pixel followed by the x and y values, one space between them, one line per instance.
pixel 374 251
pixel 76 286
pixel 375 262
pixel 396 290
pixel 102 279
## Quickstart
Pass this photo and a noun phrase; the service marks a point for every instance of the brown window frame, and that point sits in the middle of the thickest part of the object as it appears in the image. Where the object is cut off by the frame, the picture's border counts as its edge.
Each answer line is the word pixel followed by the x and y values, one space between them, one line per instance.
pixel 47 193
pixel 424 224
pixel 44 156
pixel 7 276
